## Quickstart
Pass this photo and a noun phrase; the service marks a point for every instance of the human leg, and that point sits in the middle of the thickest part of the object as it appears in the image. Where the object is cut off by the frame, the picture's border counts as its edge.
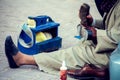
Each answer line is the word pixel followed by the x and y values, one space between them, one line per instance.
pixel 75 58
pixel 23 59
pixel 16 58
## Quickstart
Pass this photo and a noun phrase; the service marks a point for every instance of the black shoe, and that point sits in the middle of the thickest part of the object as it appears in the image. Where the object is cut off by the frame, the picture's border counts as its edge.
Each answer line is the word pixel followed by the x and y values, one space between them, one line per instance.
pixel 10 51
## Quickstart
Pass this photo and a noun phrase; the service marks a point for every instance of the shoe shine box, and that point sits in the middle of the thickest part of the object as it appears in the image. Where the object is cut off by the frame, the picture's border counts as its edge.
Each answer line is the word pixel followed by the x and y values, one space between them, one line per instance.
pixel 41 24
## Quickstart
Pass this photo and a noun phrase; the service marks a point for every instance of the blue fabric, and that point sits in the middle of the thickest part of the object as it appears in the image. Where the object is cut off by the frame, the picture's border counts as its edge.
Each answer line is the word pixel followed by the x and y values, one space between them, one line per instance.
pixel 78 37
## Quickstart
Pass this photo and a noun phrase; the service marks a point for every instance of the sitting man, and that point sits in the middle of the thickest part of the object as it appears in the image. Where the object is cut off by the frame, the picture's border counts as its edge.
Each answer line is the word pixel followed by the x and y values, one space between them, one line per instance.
pixel 96 50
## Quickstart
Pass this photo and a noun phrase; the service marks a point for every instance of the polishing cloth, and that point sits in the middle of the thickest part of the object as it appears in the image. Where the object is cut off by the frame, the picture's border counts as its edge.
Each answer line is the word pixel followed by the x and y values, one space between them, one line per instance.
pixel 31 23
pixel 42 36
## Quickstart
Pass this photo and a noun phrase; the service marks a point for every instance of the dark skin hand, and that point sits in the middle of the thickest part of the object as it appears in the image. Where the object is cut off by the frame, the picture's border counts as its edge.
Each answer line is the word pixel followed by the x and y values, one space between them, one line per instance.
pixel 90 20
pixel 87 20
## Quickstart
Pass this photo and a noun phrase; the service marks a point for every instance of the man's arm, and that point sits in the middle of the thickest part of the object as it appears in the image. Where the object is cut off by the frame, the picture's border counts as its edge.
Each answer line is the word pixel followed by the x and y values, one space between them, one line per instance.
pixel 108 39
pixel 98 24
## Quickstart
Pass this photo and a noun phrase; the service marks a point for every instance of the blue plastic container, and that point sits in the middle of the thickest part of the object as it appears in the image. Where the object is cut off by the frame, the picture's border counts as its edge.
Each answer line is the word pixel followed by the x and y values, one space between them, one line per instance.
pixel 115 64
pixel 43 24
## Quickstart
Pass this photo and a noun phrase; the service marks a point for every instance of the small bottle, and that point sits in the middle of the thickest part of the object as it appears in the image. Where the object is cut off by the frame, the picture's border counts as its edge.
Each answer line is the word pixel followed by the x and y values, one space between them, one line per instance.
pixel 63 71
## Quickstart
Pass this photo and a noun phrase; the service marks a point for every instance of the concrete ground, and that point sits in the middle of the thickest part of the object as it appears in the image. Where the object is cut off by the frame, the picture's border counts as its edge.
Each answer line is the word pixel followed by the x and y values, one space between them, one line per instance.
pixel 13 13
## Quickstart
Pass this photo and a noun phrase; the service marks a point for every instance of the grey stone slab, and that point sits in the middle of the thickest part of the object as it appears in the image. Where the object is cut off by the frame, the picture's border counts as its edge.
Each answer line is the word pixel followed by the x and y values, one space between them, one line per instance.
pixel 13 13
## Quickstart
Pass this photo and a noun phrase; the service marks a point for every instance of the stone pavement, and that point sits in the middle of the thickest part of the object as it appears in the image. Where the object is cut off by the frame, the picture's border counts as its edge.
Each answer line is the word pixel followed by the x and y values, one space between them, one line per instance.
pixel 13 13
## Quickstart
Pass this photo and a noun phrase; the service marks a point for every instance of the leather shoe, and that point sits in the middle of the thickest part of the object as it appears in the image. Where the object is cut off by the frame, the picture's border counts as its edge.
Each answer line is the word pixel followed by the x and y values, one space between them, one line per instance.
pixel 83 13
pixel 10 51
pixel 87 71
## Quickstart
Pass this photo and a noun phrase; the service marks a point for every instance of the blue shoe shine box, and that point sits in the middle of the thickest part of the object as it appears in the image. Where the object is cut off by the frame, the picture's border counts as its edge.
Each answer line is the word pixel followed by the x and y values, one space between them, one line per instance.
pixel 43 24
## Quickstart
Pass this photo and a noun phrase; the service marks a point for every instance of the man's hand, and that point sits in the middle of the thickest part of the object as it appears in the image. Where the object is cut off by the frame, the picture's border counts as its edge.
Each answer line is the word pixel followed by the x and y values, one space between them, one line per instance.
pixel 85 28
pixel 89 20
pixel 93 35
pixel 88 33
pixel 93 30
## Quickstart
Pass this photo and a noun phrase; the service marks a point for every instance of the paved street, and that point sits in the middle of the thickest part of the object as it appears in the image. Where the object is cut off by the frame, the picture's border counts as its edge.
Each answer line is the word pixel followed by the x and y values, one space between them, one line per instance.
pixel 14 13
